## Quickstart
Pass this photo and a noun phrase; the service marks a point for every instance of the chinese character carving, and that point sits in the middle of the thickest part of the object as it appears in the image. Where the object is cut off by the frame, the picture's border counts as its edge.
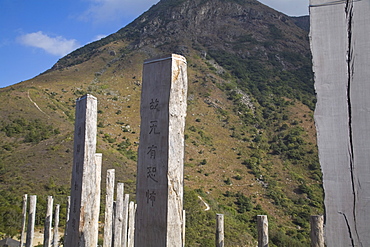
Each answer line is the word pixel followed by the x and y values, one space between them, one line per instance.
pixel 74 224
pixel 153 127
pixel 152 151
pixel 151 173
pixel 154 104
pixel 150 196
pixel 74 205
pixel 78 167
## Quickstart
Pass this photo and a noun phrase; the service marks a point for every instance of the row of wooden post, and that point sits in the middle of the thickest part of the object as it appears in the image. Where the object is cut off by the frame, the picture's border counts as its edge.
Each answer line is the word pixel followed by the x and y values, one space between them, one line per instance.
pixel 120 223
pixel 119 218
pixel 316 234
pixel 50 238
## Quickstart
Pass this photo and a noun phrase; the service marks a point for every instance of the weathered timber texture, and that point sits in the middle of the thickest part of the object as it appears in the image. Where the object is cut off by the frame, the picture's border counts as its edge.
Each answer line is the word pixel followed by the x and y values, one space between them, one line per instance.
pixel 220 241
pixel 183 227
pixel 67 219
pixel 109 197
pixel 56 226
pixel 161 153
pixel 85 183
pixel 114 220
pixel 263 231
pixel 131 225
pixel 340 34
pixel 24 216
pixel 125 219
pixel 118 216
pixel 31 221
pixel 48 221
pixel 96 202
pixel 317 231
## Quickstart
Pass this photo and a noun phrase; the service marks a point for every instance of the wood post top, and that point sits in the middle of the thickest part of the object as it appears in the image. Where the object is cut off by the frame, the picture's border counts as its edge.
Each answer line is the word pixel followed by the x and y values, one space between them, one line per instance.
pixel 87 96
pixel 166 57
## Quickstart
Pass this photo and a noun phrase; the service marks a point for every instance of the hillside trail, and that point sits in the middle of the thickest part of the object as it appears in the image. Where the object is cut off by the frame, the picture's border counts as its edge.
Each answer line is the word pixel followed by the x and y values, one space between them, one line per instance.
pixel 205 204
pixel 29 97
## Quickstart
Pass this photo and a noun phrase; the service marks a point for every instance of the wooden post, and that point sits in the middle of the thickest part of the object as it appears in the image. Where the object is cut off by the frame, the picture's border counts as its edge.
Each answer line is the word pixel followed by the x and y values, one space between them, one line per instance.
pixel 114 220
pixel 161 152
pixel 317 231
pixel 24 216
pixel 183 227
pixel 339 41
pixel 125 220
pixel 96 205
pixel 56 226
pixel 131 226
pixel 119 217
pixel 68 209
pixel 109 197
pixel 220 241
pixel 263 232
pixel 31 221
pixel 85 183
pixel 48 221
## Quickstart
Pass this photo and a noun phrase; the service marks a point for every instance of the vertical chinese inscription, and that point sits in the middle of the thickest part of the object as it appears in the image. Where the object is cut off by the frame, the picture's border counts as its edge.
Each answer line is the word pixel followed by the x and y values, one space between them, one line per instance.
pixel 161 152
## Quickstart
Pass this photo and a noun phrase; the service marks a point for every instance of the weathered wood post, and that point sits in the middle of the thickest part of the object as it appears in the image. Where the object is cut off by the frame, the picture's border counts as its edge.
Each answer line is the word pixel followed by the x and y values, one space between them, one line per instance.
pixel 24 216
pixel 48 221
pixel 183 227
pixel 85 185
pixel 317 231
pixel 109 197
pixel 98 167
pixel 220 241
pixel 118 216
pixel 339 35
pixel 56 226
pixel 125 220
pixel 114 220
pixel 161 152
pixel 68 209
pixel 263 232
pixel 31 221
pixel 131 225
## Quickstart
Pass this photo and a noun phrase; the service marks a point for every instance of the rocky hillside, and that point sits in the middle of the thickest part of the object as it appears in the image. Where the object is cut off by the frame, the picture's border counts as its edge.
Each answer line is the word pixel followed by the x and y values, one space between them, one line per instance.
pixel 250 136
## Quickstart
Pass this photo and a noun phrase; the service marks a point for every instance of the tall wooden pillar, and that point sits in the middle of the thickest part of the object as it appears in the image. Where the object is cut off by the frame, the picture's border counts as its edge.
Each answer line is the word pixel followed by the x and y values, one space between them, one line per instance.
pixel 31 221
pixel 118 221
pixel 24 216
pixel 56 226
pixel 109 197
pixel 85 185
pixel 317 231
pixel 263 231
pixel 220 241
pixel 68 209
pixel 161 153
pixel 125 220
pixel 48 221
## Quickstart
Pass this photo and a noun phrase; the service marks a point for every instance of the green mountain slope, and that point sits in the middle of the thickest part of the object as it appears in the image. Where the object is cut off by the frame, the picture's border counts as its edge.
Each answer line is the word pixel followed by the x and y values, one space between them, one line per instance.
pixel 250 137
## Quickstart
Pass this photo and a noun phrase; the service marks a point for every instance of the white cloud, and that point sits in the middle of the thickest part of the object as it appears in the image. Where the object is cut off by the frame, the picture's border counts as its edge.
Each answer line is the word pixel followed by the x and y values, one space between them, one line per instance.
pixel 58 45
pixel 113 10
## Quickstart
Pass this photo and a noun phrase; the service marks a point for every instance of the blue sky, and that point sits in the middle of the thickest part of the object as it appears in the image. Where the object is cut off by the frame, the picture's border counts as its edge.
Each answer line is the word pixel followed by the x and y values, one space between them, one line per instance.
pixel 34 34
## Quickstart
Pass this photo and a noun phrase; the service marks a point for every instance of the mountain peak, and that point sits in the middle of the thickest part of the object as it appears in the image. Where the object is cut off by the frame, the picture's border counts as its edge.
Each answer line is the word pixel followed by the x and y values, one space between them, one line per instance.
pixel 235 26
